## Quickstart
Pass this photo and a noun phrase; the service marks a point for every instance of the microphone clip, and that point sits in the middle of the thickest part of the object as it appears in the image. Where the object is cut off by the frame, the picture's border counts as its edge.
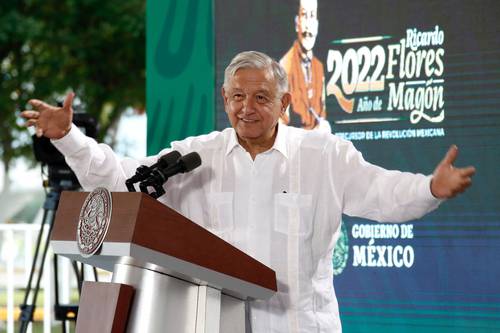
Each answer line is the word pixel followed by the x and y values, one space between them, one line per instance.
pixel 160 175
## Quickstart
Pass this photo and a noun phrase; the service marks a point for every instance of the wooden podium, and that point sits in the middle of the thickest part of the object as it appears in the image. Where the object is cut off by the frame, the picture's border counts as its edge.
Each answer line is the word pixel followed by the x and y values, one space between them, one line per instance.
pixel 169 274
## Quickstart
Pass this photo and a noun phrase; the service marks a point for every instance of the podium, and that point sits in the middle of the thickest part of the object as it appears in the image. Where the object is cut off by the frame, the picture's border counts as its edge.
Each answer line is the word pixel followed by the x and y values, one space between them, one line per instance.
pixel 169 274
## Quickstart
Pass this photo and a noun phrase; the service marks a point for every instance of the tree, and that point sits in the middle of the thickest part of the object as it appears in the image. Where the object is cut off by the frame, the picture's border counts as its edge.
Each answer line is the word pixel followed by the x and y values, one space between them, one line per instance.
pixel 95 48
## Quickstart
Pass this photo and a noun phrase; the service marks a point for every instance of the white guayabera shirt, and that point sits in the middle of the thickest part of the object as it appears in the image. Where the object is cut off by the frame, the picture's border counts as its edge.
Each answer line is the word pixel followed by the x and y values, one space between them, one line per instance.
pixel 283 208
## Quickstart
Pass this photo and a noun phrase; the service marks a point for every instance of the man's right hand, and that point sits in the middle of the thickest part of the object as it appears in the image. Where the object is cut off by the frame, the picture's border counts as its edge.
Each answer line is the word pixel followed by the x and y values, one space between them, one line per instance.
pixel 50 121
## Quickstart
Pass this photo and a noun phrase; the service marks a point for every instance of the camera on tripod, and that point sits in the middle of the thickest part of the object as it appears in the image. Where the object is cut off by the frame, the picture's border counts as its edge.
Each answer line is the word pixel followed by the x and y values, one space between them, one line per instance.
pixel 60 175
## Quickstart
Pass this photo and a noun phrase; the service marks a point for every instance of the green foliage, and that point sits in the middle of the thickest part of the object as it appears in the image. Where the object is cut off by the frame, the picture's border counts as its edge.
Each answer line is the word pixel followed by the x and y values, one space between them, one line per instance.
pixel 95 48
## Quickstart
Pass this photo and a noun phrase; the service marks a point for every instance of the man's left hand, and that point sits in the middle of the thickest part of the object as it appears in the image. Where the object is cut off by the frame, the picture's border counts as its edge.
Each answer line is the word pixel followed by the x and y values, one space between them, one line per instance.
pixel 447 180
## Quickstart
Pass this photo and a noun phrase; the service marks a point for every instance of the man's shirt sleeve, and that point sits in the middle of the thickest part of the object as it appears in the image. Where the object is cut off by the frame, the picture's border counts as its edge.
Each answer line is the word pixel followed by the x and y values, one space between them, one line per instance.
pixel 95 164
pixel 372 192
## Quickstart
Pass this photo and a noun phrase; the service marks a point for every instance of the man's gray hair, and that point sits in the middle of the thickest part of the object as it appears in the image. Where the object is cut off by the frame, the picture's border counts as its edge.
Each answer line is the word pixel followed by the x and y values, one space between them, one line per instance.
pixel 257 60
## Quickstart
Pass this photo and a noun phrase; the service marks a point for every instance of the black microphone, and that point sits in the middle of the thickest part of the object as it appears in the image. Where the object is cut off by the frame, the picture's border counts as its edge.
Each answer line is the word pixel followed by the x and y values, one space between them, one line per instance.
pixel 160 176
pixel 143 172
pixel 184 164
pixel 166 160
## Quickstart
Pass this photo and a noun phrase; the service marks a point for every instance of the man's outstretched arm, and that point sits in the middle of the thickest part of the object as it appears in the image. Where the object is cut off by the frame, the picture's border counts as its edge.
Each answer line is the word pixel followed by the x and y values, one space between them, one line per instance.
pixel 94 164
pixel 382 195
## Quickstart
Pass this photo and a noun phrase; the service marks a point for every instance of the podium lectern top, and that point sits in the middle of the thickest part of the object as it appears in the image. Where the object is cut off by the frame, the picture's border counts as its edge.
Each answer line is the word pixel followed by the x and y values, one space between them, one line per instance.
pixel 146 233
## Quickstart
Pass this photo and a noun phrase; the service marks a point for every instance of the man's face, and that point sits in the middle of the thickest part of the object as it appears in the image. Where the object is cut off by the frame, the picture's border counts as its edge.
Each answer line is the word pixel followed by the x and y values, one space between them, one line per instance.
pixel 253 105
pixel 306 24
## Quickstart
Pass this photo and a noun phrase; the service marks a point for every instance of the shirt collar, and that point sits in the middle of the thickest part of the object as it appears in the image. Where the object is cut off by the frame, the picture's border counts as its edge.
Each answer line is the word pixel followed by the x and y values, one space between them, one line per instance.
pixel 280 143
pixel 305 59
pixel 233 142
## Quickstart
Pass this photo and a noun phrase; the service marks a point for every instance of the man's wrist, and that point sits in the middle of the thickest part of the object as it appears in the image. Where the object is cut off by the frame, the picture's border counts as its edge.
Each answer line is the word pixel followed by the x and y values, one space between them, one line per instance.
pixel 65 132
pixel 430 187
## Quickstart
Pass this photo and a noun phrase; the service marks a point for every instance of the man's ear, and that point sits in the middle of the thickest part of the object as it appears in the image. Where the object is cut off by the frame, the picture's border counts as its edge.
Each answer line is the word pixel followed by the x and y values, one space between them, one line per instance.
pixel 285 101
pixel 223 92
pixel 296 23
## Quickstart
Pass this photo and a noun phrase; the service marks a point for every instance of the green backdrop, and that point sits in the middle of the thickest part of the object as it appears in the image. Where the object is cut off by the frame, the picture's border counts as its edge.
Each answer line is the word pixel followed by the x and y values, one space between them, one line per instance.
pixel 180 70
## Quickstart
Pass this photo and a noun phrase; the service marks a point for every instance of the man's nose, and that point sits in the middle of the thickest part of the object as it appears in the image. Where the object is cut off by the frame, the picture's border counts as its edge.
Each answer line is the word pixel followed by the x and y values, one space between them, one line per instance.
pixel 248 105
pixel 308 24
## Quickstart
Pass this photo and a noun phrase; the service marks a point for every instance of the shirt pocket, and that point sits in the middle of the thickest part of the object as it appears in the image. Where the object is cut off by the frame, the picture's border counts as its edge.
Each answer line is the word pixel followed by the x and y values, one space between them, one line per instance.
pixel 293 213
pixel 221 211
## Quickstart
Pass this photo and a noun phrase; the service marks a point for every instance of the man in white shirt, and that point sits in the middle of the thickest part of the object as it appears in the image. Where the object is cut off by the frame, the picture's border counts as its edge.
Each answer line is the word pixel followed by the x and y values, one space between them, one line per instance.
pixel 273 191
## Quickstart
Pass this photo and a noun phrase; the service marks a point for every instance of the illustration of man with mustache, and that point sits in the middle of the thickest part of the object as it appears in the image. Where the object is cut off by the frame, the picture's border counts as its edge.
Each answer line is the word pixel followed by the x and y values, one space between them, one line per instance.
pixel 305 73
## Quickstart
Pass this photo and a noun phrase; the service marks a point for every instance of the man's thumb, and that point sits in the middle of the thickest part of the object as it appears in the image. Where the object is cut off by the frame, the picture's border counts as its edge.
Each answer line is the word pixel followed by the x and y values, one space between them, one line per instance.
pixel 451 155
pixel 68 101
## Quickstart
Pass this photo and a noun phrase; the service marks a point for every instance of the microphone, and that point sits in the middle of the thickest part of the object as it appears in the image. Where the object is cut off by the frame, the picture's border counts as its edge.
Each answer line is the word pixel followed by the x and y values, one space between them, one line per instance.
pixel 167 159
pixel 143 172
pixel 184 164
pixel 160 176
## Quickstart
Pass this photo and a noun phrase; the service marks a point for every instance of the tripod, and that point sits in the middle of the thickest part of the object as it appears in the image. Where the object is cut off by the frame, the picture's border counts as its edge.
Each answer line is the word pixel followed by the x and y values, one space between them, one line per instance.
pixel 62 312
